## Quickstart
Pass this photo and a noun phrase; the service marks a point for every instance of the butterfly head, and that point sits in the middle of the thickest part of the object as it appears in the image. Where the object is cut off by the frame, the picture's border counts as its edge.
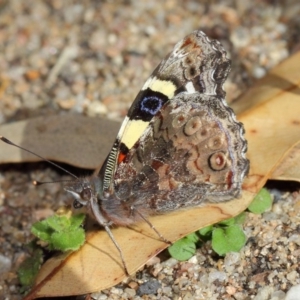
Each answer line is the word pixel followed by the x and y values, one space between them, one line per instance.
pixel 84 191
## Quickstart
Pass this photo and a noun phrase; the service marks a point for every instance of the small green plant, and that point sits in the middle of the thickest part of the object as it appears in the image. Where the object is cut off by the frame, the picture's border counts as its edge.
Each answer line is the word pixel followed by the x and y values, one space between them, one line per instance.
pixel 30 267
pixel 61 232
pixel 261 203
pixel 226 236
pixel 228 239
pixel 185 247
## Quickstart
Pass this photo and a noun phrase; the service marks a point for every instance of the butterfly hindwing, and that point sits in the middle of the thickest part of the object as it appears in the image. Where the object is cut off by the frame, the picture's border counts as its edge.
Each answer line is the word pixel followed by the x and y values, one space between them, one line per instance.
pixel 191 152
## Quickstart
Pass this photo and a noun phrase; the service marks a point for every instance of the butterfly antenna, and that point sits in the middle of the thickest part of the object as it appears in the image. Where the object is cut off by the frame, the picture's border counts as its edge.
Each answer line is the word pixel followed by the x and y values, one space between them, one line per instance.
pixel 37 183
pixel 5 140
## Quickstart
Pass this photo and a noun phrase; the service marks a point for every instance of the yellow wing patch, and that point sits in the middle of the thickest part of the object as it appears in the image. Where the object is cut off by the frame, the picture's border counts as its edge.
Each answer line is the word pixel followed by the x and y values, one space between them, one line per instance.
pixel 132 132
pixel 166 87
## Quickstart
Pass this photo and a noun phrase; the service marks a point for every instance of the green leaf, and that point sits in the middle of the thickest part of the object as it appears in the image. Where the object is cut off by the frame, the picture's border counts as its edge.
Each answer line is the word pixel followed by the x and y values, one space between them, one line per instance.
pixel 61 232
pixel 240 219
pixel 193 237
pixel 228 239
pixel 227 222
pixel 68 240
pixel 77 220
pixel 182 249
pixel 42 230
pixel 58 223
pixel 206 230
pixel 261 203
pixel 29 269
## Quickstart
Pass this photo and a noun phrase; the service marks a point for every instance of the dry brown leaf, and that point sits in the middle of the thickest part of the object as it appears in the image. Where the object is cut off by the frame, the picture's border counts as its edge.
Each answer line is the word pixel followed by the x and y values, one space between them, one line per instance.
pixel 60 138
pixel 271 118
pixel 284 78
pixel 289 166
pixel 98 266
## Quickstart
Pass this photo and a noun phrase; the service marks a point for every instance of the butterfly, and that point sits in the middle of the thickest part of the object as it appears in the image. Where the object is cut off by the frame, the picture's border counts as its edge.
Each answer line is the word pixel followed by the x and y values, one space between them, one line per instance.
pixel 179 146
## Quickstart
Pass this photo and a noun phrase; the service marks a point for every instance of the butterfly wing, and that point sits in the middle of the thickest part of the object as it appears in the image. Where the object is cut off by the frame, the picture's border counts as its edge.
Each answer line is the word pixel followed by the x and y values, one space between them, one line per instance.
pixel 196 64
pixel 192 151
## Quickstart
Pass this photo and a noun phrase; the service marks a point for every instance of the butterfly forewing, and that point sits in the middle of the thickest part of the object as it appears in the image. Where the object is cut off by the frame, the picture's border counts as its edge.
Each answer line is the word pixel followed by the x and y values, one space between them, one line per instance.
pixel 196 64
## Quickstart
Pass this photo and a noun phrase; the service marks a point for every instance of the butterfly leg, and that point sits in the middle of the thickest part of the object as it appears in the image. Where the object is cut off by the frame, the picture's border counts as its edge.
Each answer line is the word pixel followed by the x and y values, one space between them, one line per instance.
pixel 105 223
pixel 133 209
pixel 107 229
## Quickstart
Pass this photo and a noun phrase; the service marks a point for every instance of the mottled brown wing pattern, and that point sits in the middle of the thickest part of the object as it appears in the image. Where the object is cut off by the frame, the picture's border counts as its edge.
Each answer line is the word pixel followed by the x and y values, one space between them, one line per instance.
pixel 192 152
pixel 196 64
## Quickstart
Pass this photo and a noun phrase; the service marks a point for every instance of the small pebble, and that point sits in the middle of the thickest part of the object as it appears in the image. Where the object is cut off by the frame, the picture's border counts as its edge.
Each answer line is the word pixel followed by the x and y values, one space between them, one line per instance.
pixel 293 293
pixel 99 296
pixel 130 292
pixel 278 295
pixel 264 293
pixel 217 275
pixel 170 262
pixel 5 264
pixel 149 287
pixel 259 72
pixel 292 276
pixel 116 291
pixel 193 259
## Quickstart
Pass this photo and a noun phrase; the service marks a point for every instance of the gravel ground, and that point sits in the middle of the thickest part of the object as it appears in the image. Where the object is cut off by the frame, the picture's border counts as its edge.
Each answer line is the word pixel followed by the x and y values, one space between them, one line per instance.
pixel 91 58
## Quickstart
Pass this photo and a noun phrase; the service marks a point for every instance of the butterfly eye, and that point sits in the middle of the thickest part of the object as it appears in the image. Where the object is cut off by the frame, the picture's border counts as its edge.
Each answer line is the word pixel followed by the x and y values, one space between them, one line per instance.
pixel 77 204
pixel 86 194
